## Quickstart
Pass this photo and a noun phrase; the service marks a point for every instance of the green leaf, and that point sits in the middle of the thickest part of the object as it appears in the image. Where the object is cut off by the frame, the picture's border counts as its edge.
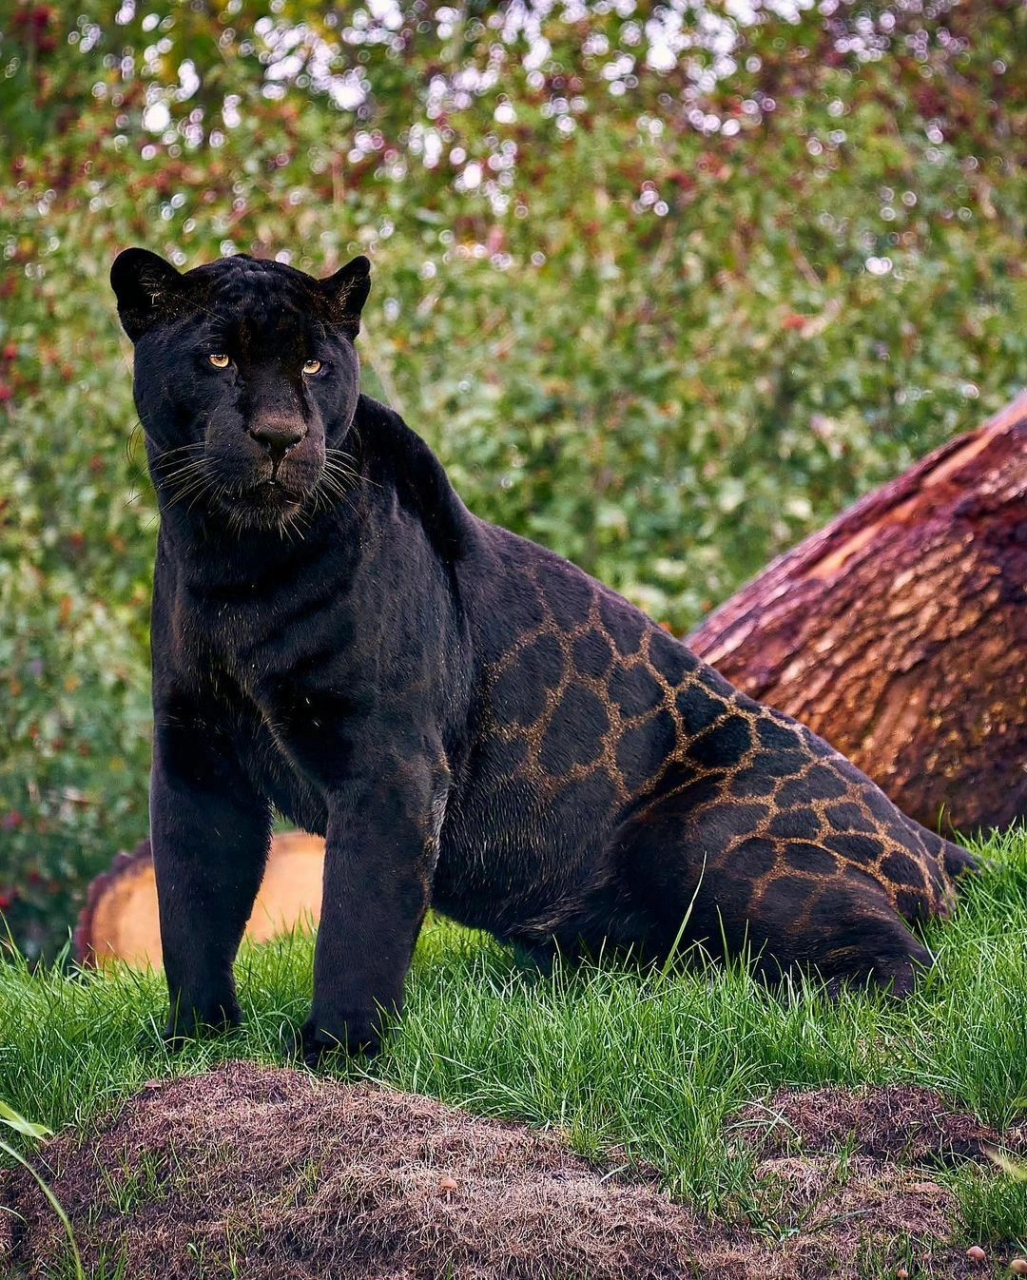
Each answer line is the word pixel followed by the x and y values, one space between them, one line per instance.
pixel 19 1124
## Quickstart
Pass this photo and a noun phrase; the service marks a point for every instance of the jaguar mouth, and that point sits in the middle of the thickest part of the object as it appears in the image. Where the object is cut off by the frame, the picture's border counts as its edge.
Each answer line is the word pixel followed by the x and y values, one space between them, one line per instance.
pixel 272 488
pixel 269 486
pixel 267 502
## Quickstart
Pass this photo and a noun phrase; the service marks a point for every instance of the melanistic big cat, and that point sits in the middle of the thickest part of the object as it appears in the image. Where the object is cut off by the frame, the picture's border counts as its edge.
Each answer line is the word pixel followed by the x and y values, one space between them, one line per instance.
pixel 472 722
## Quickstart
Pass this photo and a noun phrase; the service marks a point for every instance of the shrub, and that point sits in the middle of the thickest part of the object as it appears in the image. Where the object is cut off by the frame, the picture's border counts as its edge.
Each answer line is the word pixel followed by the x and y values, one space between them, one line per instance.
pixel 665 293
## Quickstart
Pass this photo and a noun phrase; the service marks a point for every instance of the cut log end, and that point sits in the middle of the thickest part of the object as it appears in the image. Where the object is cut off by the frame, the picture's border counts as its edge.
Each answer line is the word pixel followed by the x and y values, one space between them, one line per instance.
pixel 120 920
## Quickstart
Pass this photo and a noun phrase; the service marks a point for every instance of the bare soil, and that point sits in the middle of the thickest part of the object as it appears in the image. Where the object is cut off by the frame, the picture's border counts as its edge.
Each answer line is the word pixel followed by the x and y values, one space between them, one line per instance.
pixel 903 1123
pixel 294 1178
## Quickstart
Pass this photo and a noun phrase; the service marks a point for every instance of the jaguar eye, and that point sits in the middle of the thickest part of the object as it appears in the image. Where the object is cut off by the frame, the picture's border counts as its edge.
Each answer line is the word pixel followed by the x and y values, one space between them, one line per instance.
pixel 311 367
pixel 219 360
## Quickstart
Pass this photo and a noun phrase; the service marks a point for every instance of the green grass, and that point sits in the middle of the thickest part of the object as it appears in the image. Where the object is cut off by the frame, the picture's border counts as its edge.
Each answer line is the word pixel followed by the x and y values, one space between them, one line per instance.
pixel 654 1063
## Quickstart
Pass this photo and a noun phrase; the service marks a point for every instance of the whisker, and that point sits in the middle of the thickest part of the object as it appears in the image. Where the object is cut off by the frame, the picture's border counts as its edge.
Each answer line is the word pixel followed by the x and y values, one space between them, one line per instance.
pixel 179 454
pixel 182 472
pixel 186 482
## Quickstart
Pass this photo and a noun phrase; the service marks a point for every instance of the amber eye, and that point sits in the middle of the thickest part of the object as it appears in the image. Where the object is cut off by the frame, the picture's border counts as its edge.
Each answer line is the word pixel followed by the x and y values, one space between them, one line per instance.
pixel 219 360
pixel 311 367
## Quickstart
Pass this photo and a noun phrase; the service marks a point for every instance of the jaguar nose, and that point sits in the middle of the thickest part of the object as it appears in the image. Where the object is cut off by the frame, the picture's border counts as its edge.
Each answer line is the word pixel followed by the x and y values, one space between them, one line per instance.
pixel 278 435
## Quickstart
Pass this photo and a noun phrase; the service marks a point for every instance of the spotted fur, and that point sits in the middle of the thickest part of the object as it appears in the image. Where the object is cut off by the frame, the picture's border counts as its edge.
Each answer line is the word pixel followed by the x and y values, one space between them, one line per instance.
pixel 472 721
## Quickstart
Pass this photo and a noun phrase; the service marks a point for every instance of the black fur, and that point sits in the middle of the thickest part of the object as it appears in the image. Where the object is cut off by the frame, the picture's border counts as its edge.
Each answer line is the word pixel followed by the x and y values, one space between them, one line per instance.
pixel 472 722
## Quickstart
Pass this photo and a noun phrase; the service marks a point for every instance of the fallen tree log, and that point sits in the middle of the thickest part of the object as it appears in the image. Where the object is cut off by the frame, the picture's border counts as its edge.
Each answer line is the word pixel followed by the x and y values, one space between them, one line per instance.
pixel 120 921
pixel 899 632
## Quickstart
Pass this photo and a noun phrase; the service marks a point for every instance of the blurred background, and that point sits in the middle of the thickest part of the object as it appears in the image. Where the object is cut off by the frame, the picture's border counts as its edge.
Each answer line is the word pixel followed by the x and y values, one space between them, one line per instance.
pixel 666 287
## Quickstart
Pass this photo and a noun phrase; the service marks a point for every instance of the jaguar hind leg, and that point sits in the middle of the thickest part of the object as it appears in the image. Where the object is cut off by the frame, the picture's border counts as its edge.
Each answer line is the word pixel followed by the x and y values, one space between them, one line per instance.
pixel 793 907
pixel 858 939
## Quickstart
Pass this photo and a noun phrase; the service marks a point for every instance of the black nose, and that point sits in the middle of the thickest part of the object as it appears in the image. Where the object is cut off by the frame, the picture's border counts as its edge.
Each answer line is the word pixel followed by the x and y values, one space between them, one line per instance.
pixel 278 435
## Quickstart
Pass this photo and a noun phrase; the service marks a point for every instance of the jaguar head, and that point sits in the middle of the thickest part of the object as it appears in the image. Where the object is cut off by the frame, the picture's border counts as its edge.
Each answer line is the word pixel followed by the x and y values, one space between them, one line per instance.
pixel 246 381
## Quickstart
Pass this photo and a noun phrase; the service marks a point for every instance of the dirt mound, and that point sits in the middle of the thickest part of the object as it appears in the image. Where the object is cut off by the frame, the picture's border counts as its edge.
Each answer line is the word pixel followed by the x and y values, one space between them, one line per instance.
pixel 885 1122
pixel 833 1220
pixel 301 1178
pixel 278 1174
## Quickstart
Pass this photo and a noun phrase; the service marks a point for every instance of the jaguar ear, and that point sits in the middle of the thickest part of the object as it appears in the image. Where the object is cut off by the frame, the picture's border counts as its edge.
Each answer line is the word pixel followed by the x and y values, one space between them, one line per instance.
pixel 148 290
pixel 346 292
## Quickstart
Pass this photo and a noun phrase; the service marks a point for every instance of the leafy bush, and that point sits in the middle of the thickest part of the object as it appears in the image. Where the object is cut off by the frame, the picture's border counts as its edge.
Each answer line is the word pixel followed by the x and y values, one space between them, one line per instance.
pixel 664 289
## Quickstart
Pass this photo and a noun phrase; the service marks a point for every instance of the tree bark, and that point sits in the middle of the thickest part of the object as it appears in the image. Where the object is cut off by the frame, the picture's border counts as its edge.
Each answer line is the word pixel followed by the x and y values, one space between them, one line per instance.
pixel 899 632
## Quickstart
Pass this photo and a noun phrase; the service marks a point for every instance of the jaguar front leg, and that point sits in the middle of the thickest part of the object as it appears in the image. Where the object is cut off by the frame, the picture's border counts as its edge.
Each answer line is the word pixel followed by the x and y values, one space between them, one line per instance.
pixel 381 848
pixel 210 833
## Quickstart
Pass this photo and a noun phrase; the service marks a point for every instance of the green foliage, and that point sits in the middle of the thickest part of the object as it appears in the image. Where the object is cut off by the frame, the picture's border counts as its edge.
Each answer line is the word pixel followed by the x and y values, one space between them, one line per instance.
pixel 993 1209
pixel 665 290
pixel 36 1132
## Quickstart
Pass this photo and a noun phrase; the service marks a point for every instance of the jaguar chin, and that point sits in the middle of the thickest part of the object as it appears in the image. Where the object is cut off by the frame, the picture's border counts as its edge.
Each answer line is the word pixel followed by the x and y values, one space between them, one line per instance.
pixel 267 504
